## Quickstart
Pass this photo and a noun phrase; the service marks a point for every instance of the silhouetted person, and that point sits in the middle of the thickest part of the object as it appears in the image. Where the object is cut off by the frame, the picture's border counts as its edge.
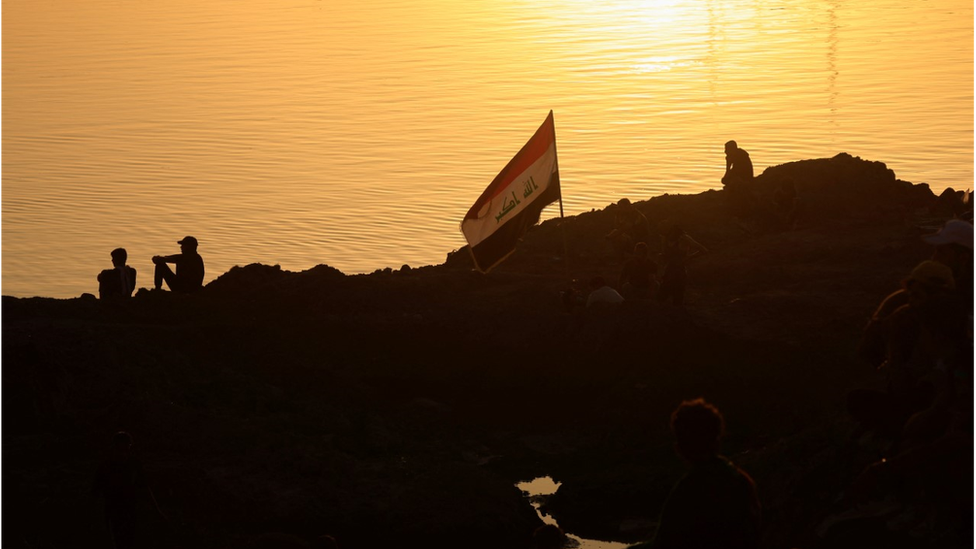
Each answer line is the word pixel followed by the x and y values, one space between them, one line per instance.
pixel 601 294
pixel 738 165
pixel 678 249
pixel 120 481
pixel 738 180
pixel 118 281
pixel 715 505
pixel 189 268
pixel 548 536
pixel 630 226
pixel 913 348
pixel 930 289
pixel 954 249
pixel 638 279
pixel 943 357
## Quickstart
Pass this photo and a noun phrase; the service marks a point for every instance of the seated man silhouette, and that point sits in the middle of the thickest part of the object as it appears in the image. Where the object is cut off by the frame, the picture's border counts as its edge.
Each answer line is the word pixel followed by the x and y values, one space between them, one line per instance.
pixel 188 277
pixel 738 180
pixel 118 281
pixel 738 166
pixel 715 505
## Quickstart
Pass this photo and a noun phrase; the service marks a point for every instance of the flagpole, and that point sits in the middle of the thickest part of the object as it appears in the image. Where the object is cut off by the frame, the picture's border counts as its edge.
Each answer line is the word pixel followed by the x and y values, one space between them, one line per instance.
pixel 562 218
pixel 562 224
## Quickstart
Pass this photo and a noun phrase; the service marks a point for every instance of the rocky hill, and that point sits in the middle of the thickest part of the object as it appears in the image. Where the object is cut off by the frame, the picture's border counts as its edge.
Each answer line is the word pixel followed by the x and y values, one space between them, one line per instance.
pixel 401 407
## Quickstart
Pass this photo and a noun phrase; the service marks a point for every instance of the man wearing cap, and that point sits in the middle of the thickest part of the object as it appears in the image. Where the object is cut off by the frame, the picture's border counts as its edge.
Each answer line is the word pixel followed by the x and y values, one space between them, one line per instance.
pixel 189 268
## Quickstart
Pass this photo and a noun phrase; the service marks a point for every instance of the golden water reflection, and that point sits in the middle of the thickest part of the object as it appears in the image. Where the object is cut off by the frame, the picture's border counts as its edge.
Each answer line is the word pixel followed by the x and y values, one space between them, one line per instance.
pixel 300 132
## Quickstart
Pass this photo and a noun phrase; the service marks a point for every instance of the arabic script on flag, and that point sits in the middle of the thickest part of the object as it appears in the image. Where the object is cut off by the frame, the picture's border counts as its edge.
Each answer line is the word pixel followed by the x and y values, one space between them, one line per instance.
pixel 514 200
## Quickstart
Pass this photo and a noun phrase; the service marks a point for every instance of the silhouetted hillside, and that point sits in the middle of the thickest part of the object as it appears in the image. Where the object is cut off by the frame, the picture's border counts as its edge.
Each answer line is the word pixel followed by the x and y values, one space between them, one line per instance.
pixel 401 407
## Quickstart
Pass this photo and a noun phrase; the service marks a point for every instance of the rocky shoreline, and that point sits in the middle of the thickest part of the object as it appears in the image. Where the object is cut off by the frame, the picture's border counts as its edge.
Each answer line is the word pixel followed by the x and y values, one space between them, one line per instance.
pixel 402 407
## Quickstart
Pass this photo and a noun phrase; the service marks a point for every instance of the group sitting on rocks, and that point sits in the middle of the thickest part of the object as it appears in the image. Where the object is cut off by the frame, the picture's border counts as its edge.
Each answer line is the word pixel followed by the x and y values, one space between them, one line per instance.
pixel 120 281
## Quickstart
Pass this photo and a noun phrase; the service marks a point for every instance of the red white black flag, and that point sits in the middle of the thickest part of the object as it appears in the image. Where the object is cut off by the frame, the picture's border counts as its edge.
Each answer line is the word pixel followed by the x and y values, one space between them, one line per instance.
pixel 514 200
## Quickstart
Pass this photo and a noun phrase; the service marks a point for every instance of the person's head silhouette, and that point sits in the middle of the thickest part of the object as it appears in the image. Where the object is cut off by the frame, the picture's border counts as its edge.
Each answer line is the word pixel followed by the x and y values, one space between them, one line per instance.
pixel 119 256
pixel 188 244
pixel 697 428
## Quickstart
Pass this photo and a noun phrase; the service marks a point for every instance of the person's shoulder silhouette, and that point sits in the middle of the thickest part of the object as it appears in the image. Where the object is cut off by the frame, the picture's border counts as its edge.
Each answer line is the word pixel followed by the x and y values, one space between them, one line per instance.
pixel 715 504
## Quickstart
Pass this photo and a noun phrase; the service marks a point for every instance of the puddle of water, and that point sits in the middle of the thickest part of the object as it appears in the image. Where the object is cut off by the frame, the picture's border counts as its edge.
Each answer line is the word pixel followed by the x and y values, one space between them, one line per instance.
pixel 545 486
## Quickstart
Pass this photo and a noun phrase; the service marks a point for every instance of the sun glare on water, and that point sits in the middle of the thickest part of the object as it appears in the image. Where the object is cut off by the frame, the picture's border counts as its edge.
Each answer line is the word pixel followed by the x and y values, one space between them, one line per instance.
pixel 357 134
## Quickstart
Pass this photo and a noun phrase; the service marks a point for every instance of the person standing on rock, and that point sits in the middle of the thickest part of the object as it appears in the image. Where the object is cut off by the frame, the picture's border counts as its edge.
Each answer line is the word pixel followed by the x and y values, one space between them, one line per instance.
pixel 188 277
pixel 715 505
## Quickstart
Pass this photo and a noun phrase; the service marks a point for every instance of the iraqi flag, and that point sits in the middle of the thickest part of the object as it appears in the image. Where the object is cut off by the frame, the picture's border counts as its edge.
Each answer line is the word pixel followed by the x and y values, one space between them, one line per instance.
pixel 514 200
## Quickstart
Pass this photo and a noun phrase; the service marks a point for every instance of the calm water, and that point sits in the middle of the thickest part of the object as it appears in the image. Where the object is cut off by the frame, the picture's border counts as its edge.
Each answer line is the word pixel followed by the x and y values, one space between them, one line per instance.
pixel 545 486
pixel 357 133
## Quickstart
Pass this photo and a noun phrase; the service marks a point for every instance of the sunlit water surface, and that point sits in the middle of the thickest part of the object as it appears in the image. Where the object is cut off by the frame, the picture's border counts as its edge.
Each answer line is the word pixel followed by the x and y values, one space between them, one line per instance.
pixel 357 133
